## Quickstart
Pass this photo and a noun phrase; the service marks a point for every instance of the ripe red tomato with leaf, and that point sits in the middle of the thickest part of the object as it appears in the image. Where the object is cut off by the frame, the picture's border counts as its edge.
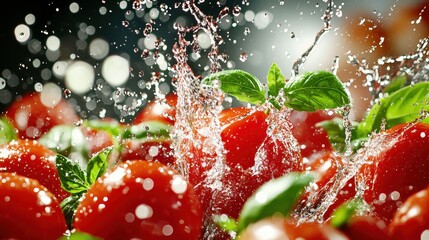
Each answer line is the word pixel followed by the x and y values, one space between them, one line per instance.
pixel 411 220
pixel 260 145
pixel 33 160
pixel 393 164
pixel 140 199
pixel 33 114
pixel 28 210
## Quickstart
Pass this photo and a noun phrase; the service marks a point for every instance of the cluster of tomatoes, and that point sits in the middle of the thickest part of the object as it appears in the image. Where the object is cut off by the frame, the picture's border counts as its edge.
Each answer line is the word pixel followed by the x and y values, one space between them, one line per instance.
pixel 141 195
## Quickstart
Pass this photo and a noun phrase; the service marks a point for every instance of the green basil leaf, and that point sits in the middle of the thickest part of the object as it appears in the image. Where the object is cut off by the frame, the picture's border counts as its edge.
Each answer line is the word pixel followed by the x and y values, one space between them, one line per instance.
pixel 277 196
pixel 65 140
pixel 79 236
pixel 276 80
pixel 148 129
pixel 72 177
pixel 337 134
pixel 111 127
pixel 396 84
pixel 316 90
pixel 7 131
pixel 226 223
pixel 343 213
pixel 240 84
pixel 404 105
pixel 69 205
pixel 98 165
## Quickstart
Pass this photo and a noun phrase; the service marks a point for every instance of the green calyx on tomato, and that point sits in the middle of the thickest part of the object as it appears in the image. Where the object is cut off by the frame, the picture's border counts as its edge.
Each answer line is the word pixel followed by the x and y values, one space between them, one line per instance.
pixel 404 105
pixel 310 91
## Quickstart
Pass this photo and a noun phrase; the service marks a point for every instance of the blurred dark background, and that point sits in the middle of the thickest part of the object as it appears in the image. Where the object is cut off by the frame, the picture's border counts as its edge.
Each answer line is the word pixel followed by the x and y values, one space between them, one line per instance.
pixel 55 34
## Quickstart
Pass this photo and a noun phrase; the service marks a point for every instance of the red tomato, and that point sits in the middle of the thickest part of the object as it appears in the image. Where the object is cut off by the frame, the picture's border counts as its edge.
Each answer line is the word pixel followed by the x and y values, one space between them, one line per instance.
pixel 311 139
pixel 31 159
pixel 273 228
pixel 34 117
pixel 392 174
pixel 159 110
pixel 366 227
pixel 326 168
pixel 243 133
pixel 140 199
pixel 411 221
pixel 28 210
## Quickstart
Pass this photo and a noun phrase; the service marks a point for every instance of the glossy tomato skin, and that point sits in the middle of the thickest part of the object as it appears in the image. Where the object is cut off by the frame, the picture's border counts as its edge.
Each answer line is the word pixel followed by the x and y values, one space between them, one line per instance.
pixel 397 172
pixel 33 160
pixel 411 221
pixel 32 118
pixel 28 210
pixel 272 228
pixel 142 200
pixel 366 227
pixel 159 111
pixel 312 139
pixel 243 133
pixel 325 167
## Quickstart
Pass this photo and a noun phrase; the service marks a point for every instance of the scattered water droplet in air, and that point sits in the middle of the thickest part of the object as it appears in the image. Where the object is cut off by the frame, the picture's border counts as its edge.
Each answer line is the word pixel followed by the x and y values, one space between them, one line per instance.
pixel 243 56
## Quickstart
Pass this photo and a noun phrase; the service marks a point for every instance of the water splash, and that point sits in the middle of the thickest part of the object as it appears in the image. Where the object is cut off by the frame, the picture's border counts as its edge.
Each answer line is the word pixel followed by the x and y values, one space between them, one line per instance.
pixel 196 136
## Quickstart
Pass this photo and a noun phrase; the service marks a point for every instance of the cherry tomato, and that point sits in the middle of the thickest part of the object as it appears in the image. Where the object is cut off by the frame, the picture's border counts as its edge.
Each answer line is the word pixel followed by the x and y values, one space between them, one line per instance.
pixel 411 221
pixel 140 200
pixel 28 210
pixel 31 159
pixel 243 133
pixel 33 116
pixel 393 173
pixel 366 227
pixel 277 228
pixel 311 139
pixel 164 111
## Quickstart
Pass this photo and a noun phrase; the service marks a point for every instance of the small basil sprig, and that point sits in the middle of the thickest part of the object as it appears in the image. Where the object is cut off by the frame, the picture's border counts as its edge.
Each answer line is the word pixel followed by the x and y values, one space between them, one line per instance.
pixel 77 181
pixel 308 92
pixel 7 131
pixel 402 106
pixel 277 196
